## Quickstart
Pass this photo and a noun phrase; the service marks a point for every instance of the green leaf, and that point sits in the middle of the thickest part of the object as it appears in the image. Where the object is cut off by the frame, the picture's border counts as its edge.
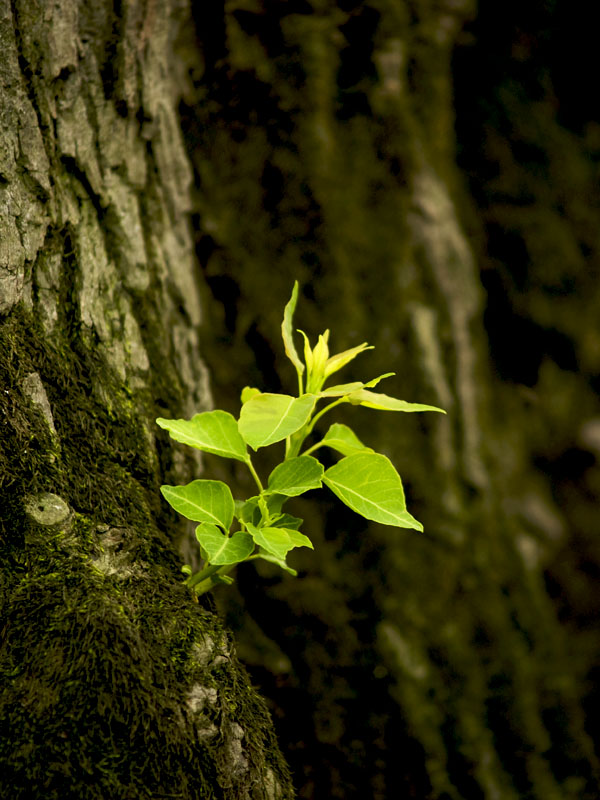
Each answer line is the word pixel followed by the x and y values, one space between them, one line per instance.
pixel 213 431
pixel 296 476
pixel 273 540
pixel 383 402
pixel 269 418
pixel 341 389
pixel 274 503
pixel 274 560
pixel 343 439
pixel 288 334
pixel 341 359
pixel 248 392
pixel 286 521
pixel 279 541
pixel 238 508
pixel 350 388
pixel 374 381
pixel 369 484
pixel 250 511
pixel 299 539
pixel 222 549
pixel 202 501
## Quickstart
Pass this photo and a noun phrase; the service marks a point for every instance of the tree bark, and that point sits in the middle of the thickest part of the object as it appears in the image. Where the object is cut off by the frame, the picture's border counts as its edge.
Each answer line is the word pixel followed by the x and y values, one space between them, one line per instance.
pixel 405 665
pixel 115 683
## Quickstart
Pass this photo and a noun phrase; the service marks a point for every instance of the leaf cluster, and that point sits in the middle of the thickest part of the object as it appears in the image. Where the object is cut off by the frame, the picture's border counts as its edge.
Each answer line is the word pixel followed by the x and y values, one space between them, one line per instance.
pixel 232 531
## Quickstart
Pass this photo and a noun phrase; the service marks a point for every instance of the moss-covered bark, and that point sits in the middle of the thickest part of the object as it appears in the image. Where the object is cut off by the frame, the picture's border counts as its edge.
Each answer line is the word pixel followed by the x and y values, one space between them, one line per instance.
pixel 401 665
pixel 115 683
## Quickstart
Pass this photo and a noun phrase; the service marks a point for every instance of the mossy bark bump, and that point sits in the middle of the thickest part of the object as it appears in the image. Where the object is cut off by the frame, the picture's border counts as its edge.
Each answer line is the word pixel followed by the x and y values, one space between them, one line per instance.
pixel 115 683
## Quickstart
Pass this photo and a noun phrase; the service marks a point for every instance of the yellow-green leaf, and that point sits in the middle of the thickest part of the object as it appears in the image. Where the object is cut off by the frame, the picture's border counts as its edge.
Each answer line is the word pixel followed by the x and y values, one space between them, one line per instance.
pixel 343 439
pixel 202 501
pixel 213 432
pixel 369 484
pixel 221 549
pixel 288 334
pixel 296 476
pixel 269 418
pixel 384 402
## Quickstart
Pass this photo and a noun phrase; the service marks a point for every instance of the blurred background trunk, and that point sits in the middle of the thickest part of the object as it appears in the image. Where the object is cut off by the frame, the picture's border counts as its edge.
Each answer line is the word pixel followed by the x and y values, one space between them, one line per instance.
pixel 114 682
pixel 428 172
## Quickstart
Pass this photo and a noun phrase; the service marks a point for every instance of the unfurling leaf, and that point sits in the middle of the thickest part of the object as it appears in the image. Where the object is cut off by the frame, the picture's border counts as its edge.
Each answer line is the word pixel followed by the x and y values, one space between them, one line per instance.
pixel 288 334
pixel 347 389
pixel 202 501
pixel 251 511
pixel 384 402
pixel 341 389
pixel 369 484
pixel 213 431
pixel 340 360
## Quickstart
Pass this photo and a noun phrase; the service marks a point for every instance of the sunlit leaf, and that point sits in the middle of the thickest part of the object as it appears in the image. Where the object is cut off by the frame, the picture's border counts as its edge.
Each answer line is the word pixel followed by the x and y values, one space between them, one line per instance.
pixel 374 381
pixel 221 549
pixel 249 511
pixel 299 539
pixel 248 392
pixel 296 476
pixel 341 389
pixel 213 431
pixel 343 439
pixel 369 484
pixel 383 402
pixel 288 334
pixel 340 360
pixel 202 501
pixel 279 541
pixel 269 418
pixel 266 556
pixel 286 521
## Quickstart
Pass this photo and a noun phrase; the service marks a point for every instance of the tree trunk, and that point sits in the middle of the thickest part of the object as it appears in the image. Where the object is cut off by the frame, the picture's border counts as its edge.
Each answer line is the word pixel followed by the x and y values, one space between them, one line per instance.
pixel 406 665
pixel 115 683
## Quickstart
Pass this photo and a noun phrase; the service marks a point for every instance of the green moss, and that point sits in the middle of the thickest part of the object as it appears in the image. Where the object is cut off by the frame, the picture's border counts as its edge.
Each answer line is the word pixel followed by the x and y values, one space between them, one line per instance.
pixel 115 682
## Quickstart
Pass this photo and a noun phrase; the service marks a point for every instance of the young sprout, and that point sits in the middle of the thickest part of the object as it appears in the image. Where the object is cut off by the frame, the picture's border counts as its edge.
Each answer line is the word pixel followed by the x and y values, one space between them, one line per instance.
pixel 232 531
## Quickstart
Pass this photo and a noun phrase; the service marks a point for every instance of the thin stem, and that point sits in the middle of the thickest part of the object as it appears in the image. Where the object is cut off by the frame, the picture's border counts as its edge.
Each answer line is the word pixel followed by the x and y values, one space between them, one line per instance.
pixel 296 440
pixel 318 416
pixel 312 449
pixel 250 466
pixel 204 574
pixel 204 580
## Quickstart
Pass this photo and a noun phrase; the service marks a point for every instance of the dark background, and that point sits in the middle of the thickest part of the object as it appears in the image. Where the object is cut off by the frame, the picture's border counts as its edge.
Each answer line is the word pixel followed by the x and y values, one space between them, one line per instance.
pixel 467 659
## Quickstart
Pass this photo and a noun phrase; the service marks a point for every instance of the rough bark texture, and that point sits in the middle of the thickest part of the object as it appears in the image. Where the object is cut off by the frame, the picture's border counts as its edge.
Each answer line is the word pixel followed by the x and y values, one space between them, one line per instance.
pixel 114 682
pixel 436 666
